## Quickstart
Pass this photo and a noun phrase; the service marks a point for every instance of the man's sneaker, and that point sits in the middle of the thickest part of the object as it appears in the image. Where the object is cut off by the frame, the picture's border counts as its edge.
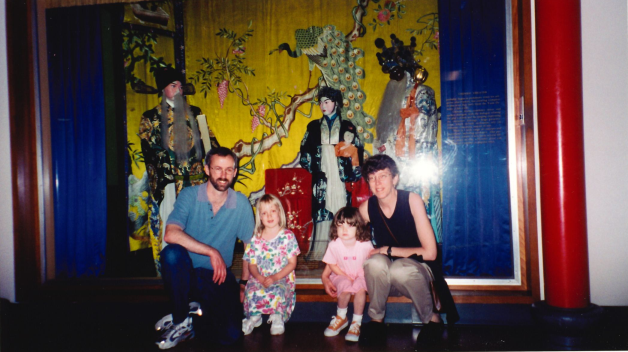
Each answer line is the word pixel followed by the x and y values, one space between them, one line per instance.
pixel 195 308
pixel 176 333
pixel 336 325
pixel 277 328
pixel 249 324
pixel 166 322
pixel 354 332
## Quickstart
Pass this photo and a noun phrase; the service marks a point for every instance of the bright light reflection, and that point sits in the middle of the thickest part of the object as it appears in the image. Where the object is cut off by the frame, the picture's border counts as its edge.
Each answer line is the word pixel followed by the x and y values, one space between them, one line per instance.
pixel 422 171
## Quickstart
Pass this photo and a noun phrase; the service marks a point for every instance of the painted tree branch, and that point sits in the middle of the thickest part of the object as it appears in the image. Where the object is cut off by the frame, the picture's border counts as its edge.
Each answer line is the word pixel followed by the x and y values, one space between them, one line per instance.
pixel 358 28
pixel 246 149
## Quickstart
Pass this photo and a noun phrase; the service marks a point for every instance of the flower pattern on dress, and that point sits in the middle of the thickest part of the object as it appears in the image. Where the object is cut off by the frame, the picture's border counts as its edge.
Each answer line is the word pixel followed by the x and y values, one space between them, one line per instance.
pixel 270 257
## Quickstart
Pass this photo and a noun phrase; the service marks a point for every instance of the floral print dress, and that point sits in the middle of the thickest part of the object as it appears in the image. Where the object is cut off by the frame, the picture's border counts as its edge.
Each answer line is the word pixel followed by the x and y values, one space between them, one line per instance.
pixel 270 257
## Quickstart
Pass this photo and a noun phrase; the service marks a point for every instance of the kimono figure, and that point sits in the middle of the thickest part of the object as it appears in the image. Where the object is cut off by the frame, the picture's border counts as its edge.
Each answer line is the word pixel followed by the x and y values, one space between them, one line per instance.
pixel 333 153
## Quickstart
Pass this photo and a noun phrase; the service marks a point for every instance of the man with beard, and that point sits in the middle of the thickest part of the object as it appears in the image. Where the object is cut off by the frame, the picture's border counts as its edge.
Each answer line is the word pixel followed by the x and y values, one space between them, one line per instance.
pixel 201 233
pixel 172 148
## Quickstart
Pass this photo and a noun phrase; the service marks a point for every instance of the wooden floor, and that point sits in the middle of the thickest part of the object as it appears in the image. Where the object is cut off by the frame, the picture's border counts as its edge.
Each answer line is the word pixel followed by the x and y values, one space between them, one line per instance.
pixel 129 327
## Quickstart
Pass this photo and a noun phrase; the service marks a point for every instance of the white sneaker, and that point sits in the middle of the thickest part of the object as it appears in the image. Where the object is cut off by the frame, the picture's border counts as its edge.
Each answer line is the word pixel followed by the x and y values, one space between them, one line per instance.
pixel 354 332
pixel 277 328
pixel 166 322
pixel 195 308
pixel 176 333
pixel 249 324
pixel 336 325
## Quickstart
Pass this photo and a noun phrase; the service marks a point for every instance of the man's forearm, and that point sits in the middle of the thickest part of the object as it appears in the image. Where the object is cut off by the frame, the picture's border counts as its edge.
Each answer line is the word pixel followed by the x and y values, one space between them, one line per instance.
pixel 175 235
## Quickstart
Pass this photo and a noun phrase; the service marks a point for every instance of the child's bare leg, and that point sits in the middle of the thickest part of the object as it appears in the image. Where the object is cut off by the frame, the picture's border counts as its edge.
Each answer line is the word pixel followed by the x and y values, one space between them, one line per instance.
pixel 358 302
pixel 358 309
pixel 343 303
pixel 343 300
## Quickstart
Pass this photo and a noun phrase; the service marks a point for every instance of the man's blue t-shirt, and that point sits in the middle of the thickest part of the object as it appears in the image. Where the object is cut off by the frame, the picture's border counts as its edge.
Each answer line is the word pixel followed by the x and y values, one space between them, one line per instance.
pixel 194 213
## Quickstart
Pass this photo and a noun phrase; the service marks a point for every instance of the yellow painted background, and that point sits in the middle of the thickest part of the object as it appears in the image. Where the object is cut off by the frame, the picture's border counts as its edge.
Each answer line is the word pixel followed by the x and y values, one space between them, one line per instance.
pixel 275 22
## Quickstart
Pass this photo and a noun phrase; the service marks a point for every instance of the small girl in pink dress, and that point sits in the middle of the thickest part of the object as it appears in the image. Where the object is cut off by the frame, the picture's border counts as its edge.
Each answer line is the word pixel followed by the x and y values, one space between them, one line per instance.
pixel 349 247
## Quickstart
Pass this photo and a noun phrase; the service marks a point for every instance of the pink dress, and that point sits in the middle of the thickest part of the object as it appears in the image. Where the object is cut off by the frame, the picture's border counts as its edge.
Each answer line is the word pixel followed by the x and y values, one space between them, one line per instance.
pixel 350 261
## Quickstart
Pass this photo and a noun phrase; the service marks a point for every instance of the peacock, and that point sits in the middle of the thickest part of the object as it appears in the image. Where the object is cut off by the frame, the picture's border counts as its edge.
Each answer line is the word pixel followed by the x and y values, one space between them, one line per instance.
pixel 328 49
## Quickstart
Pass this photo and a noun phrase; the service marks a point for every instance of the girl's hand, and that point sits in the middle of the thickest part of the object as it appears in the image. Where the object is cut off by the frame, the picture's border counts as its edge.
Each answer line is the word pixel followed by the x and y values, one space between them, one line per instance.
pixel 329 286
pixel 267 281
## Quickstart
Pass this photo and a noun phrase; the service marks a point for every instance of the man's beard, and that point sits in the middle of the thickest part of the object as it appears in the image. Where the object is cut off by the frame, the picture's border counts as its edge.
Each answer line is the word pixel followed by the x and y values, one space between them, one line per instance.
pixel 180 129
pixel 218 186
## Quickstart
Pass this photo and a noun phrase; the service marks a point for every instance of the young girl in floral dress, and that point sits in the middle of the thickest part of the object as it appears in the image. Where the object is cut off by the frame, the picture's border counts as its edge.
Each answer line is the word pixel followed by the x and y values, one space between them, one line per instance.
pixel 349 247
pixel 272 257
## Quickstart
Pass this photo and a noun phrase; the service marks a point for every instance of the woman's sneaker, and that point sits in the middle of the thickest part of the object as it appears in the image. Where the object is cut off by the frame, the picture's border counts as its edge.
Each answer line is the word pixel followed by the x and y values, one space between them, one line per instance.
pixel 176 333
pixel 336 325
pixel 277 328
pixel 354 332
pixel 249 324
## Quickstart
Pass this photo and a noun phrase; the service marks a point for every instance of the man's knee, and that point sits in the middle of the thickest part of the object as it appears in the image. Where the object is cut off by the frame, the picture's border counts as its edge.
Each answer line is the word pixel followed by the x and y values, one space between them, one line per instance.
pixel 172 254
pixel 376 265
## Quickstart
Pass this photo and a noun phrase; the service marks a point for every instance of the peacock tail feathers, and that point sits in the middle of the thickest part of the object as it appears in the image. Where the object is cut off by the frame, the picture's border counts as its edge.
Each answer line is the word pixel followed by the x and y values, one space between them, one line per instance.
pixel 328 49
pixel 340 71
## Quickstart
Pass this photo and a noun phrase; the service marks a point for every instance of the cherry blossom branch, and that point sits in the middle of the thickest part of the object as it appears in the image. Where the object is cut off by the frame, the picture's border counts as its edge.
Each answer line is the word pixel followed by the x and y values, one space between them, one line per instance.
pixel 244 149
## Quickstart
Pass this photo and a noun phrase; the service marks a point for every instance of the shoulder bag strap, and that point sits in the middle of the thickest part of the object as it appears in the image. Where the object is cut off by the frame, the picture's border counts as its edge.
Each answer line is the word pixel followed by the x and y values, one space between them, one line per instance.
pixel 385 223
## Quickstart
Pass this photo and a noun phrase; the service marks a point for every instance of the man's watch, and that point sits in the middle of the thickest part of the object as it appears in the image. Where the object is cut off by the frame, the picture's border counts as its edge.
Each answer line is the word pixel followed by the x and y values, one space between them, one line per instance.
pixel 243 282
pixel 389 252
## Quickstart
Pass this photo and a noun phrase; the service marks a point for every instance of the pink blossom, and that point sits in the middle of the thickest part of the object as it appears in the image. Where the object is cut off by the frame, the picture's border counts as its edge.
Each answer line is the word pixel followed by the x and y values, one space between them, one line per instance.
pixel 254 123
pixel 223 90
pixel 384 15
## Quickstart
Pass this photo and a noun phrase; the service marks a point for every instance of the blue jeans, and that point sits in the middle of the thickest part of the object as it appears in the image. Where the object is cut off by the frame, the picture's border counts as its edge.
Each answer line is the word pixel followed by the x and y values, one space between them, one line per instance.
pixel 222 310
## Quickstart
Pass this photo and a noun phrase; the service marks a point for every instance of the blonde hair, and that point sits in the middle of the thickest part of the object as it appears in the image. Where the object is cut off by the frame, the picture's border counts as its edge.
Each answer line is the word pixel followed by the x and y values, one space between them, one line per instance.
pixel 268 199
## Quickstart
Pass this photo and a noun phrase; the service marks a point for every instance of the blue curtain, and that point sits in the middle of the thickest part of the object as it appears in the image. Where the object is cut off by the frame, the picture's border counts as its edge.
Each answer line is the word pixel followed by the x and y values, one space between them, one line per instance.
pixel 477 234
pixel 77 116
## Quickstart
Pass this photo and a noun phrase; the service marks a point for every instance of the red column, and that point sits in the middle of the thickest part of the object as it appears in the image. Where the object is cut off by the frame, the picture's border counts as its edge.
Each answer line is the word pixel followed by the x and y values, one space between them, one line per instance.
pixel 561 153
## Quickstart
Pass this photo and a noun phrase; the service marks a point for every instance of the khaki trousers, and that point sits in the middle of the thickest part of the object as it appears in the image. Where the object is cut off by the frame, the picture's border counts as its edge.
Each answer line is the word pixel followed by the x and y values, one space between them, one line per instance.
pixel 402 277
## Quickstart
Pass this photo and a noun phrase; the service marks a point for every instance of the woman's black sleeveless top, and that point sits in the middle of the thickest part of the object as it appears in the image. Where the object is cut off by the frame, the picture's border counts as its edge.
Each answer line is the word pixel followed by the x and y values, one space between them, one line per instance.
pixel 401 223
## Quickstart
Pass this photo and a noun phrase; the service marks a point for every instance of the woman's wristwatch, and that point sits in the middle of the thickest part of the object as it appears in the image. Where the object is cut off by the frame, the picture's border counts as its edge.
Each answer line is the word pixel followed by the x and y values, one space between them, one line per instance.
pixel 243 282
pixel 389 252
